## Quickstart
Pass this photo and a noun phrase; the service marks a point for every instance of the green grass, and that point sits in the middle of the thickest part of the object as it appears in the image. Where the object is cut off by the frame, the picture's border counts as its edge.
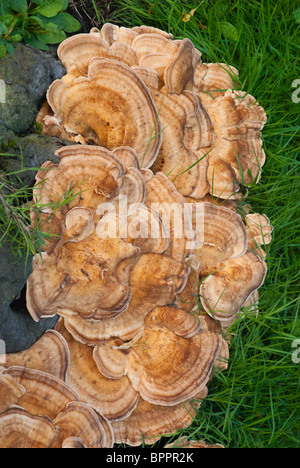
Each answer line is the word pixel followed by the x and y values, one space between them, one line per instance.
pixel 255 403
pixel 16 210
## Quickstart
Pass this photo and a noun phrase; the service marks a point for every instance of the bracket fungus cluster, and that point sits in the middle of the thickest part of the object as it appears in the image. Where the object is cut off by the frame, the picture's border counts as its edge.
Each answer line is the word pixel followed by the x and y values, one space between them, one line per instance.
pixel 38 375
pixel 147 261
pixel 141 88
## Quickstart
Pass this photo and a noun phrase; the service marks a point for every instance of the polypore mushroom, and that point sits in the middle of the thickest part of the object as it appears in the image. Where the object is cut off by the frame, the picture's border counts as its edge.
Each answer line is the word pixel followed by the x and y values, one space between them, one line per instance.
pixel 167 201
pixel 77 51
pixel 108 32
pixel 152 48
pixel 112 33
pixel 214 326
pixel 10 392
pixel 19 429
pixel 114 399
pixel 113 107
pixel 125 35
pixel 51 125
pixel 85 177
pixel 149 77
pixel 230 155
pixel 148 423
pixel 81 421
pixel 49 354
pixel 179 73
pixel 156 62
pixel 228 288
pixel 224 274
pixel 123 53
pixel 30 388
pixel 155 280
pixel 136 354
pixel 73 443
pixel 114 394
pixel 78 280
pixel 220 234
pixel 208 198
pixel 151 43
pixel 214 79
pixel 87 272
pixel 237 155
pixel 78 421
pixel 187 131
pixel 151 30
pixel 259 231
pixel 40 387
pixel 171 361
pixel 112 358
pixel 175 70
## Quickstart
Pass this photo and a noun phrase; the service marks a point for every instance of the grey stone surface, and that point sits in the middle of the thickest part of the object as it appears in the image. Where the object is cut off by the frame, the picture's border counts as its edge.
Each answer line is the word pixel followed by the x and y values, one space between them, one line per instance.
pixel 18 330
pixel 27 154
pixel 27 75
pixel 13 273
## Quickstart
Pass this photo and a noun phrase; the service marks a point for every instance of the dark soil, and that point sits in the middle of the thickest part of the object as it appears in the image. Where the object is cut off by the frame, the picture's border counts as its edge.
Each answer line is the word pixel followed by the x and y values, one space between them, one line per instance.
pixel 84 11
